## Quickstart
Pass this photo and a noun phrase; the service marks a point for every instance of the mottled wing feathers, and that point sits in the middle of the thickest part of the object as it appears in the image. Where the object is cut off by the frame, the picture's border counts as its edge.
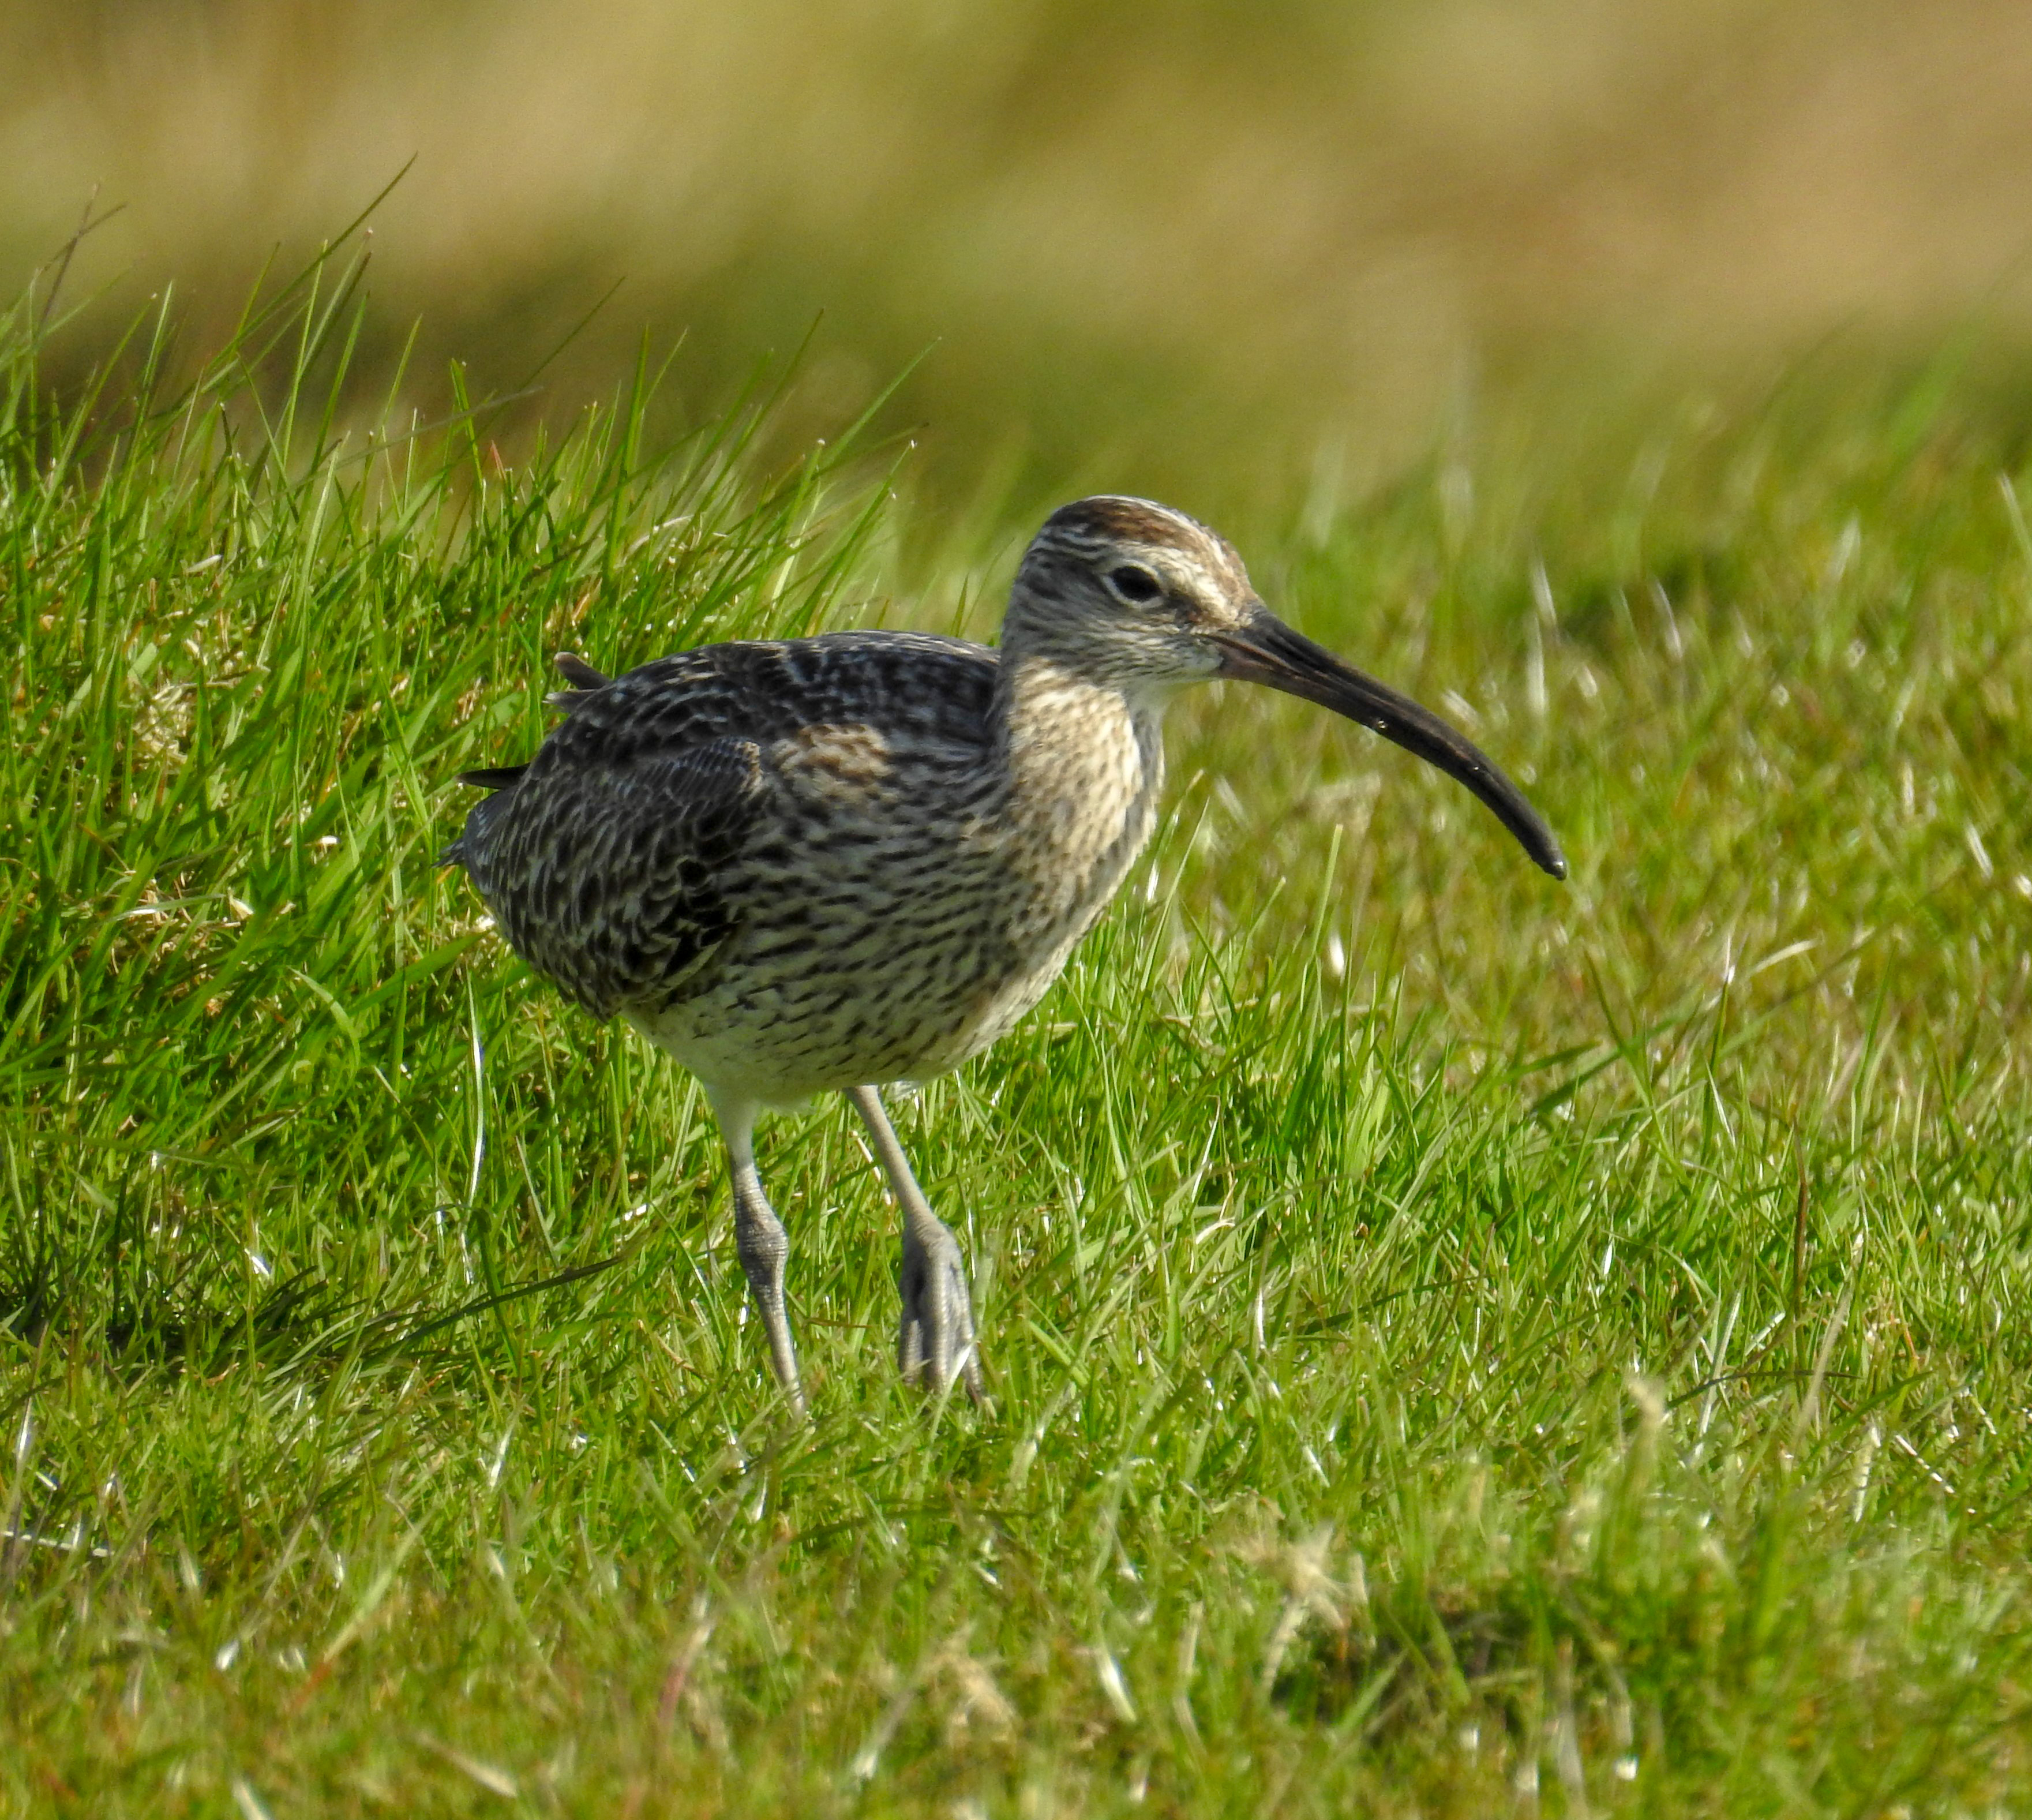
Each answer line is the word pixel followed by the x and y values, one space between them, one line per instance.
pixel 613 860
pixel 905 683
pixel 608 879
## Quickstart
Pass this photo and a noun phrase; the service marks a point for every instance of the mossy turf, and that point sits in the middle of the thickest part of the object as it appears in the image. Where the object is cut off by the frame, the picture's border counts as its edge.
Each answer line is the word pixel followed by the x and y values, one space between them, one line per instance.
pixel 1458 1342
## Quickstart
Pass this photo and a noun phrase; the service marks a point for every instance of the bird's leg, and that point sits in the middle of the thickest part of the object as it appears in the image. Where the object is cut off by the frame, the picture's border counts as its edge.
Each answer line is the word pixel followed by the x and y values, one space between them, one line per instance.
pixel 935 1343
pixel 759 1238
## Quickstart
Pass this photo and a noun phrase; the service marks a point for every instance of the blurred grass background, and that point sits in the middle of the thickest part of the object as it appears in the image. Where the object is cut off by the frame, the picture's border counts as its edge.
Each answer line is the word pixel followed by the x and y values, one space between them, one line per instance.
pixel 1233 255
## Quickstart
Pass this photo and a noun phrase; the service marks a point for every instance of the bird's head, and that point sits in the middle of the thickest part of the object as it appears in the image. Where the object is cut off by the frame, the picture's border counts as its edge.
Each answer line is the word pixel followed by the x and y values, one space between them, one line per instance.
pixel 1136 597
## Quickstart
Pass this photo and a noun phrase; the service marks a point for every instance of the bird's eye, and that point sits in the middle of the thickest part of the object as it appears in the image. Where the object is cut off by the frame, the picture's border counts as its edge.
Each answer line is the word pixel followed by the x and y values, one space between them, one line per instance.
pixel 1130 583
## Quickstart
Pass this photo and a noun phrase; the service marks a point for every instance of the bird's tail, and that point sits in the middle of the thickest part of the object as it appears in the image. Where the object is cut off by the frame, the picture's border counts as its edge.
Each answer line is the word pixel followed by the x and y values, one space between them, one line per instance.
pixel 585 681
pixel 502 777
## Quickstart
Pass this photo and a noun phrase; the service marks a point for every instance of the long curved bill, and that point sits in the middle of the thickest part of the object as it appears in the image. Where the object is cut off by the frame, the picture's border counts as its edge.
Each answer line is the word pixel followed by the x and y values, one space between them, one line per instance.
pixel 1264 649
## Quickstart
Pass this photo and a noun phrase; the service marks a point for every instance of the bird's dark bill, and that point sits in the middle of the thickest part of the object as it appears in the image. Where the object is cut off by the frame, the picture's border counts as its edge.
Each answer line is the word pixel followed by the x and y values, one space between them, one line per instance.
pixel 1266 650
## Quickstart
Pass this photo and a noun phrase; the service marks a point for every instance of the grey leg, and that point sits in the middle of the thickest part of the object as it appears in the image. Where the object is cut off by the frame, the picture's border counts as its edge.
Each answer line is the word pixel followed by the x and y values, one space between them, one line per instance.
pixel 935 1344
pixel 759 1238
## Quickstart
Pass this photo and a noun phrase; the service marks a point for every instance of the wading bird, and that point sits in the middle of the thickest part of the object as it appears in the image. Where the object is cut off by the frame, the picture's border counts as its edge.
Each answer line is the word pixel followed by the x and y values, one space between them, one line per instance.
pixel 825 864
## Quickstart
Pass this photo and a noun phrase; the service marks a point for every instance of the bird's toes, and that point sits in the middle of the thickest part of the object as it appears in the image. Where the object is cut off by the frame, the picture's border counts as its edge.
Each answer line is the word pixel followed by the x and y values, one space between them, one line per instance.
pixel 961 1350
pixel 936 1342
pixel 910 1347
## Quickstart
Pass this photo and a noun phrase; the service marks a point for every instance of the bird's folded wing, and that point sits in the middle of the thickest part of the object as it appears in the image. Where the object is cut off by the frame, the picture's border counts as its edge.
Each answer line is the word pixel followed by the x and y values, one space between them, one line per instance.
pixel 609 874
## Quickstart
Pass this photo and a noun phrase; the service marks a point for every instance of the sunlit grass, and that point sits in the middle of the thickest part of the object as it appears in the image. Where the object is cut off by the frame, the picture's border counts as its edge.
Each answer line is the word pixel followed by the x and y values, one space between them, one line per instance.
pixel 1456 1341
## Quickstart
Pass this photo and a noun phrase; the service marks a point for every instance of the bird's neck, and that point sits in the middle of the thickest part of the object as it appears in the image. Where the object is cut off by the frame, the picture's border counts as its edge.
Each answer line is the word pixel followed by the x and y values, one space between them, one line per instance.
pixel 1082 762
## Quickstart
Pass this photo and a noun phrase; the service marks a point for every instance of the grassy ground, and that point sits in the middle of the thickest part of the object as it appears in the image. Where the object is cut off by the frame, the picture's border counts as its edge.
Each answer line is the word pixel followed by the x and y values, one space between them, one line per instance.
pixel 1460 1344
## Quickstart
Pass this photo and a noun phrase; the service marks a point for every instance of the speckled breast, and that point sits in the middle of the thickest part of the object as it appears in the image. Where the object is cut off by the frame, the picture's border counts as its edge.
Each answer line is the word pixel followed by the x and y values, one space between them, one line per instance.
pixel 908 904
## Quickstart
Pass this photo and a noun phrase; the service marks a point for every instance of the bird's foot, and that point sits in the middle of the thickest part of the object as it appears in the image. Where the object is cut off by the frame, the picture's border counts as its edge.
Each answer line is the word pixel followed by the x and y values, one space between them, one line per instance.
pixel 936 1343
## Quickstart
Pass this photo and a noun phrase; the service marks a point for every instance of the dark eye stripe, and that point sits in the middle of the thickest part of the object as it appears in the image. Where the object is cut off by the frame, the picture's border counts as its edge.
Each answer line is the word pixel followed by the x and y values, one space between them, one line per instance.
pixel 1134 583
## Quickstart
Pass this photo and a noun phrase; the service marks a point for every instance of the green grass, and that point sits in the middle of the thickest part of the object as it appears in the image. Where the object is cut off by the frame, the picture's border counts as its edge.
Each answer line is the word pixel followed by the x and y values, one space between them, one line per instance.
pixel 1459 1343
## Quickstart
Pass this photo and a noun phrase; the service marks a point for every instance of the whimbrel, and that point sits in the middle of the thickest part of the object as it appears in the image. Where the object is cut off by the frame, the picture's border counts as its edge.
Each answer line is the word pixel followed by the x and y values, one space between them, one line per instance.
pixel 827 864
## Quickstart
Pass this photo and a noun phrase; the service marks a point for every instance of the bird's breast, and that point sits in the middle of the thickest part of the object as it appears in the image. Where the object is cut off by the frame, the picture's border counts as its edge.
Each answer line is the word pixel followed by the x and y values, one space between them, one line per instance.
pixel 906 897
pixel 1077 800
pixel 1081 790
